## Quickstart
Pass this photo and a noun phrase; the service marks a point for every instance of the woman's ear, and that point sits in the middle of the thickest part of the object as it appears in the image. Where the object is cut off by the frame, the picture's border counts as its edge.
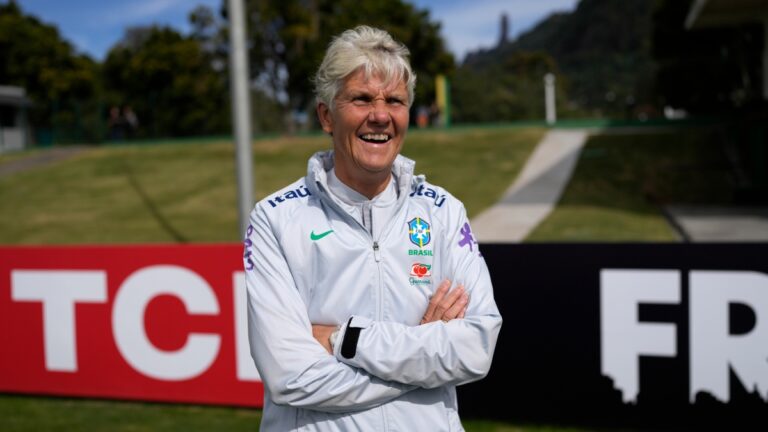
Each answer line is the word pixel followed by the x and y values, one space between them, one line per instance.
pixel 325 117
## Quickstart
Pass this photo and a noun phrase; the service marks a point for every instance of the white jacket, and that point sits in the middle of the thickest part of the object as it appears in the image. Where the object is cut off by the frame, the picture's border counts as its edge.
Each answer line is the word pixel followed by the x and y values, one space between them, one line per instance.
pixel 309 262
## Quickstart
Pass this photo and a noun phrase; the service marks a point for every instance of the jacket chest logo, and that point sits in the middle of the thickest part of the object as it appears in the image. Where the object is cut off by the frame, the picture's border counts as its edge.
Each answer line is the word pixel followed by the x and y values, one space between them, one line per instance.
pixel 420 274
pixel 419 232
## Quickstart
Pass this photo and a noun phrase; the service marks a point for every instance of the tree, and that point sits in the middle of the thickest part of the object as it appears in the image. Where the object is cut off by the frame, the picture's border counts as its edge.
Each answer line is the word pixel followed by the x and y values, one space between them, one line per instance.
pixel 169 80
pixel 288 40
pixel 62 84
pixel 602 47
pixel 509 89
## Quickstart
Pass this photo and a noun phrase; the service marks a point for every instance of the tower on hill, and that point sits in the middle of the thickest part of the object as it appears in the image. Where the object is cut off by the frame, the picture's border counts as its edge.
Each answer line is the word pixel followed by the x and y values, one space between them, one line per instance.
pixel 504 33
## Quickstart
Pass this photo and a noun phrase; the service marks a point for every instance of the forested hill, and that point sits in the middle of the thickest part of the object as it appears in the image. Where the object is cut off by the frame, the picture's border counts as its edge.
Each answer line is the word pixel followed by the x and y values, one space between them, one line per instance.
pixel 602 50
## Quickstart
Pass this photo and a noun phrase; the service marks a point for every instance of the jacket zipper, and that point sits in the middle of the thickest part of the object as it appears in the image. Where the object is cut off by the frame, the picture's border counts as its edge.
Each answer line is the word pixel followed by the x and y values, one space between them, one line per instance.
pixel 379 288
pixel 379 309
pixel 377 258
pixel 376 254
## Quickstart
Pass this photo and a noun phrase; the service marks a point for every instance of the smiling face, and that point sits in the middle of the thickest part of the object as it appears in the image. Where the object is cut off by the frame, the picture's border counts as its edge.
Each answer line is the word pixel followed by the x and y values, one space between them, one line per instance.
pixel 368 125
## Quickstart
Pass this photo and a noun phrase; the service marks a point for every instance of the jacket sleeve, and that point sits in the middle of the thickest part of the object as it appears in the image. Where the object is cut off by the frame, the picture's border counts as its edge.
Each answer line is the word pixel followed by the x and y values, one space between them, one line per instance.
pixel 438 353
pixel 294 367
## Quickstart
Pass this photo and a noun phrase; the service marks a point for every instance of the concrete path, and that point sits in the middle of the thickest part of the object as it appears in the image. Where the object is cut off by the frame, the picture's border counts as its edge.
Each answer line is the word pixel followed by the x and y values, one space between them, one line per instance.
pixel 720 224
pixel 40 159
pixel 535 192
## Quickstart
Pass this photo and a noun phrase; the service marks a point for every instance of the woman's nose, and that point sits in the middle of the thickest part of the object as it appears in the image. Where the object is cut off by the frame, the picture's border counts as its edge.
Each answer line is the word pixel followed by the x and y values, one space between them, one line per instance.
pixel 378 113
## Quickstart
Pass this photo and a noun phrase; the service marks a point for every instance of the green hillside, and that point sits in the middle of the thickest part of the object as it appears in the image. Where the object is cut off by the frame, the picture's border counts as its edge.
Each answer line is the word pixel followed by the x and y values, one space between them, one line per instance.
pixel 602 50
pixel 186 191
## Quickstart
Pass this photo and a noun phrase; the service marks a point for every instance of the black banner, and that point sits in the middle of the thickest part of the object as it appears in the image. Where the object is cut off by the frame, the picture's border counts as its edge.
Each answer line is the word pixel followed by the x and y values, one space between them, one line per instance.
pixel 628 335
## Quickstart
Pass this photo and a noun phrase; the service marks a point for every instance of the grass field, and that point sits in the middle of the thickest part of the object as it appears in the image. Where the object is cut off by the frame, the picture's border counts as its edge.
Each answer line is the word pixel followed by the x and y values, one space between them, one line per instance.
pixel 168 193
pixel 177 192
pixel 33 414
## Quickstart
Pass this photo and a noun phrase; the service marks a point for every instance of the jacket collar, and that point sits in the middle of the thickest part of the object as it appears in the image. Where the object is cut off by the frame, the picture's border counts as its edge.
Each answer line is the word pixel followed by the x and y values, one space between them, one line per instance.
pixel 321 162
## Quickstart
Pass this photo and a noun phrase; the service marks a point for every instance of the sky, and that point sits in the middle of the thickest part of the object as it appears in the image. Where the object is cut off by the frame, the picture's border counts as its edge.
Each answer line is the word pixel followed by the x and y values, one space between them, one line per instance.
pixel 94 26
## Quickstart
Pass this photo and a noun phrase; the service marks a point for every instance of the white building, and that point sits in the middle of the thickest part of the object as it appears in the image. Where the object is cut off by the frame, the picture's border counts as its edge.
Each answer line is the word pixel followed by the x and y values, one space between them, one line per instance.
pixel 14 130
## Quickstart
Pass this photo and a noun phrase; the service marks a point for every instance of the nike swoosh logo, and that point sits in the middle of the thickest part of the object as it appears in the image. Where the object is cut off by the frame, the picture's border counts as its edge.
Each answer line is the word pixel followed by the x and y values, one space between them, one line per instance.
pixel 314 236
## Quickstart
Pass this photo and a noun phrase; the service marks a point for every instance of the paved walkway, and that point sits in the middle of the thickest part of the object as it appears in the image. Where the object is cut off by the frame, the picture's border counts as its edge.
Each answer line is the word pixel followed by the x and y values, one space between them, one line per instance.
pixel 720 224
pixel 539 186
pixel 535 192
pixel 40 159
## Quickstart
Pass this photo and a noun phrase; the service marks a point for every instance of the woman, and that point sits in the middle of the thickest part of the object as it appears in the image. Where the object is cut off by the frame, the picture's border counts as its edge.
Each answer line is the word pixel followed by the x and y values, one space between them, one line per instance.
pixel 354 323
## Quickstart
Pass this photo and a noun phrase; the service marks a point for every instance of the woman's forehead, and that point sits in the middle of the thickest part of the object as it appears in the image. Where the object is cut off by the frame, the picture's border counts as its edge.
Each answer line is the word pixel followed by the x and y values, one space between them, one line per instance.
pixel 373 82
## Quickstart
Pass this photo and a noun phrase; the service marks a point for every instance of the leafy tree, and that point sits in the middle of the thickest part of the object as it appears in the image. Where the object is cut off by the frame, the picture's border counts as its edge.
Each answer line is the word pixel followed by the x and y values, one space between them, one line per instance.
pixel 509 89
pixel 288 39
pixel 61 83
pixel 602 47
pixel 178 85
pixel 169 80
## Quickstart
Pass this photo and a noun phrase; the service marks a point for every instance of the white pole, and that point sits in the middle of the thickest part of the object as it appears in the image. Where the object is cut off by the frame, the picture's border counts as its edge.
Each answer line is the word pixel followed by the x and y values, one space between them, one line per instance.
pixel 241 111
pixel 549 98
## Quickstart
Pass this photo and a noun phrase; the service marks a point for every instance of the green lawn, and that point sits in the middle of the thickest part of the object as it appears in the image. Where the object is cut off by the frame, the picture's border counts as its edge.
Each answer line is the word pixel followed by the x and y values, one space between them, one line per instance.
pixel 475 165
pixel 20 413
pixel 32 414
pixel 622 181
pixel 186 192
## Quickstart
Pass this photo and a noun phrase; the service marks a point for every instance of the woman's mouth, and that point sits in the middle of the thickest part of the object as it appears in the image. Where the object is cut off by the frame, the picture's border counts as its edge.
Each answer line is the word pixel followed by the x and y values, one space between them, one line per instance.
pixel 375 138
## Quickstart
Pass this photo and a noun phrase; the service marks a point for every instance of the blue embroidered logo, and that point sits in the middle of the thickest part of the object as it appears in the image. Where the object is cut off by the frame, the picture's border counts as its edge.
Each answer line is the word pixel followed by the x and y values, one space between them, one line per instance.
pixel 248 252
pixel 429 193
pixel 419 232
pixel 301 192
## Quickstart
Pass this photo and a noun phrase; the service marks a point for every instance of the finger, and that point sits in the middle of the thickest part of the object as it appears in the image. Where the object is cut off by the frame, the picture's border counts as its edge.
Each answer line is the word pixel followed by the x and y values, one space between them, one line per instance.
pixel 464 311
pixel 448 302
pixel 457 308
pixel 436 298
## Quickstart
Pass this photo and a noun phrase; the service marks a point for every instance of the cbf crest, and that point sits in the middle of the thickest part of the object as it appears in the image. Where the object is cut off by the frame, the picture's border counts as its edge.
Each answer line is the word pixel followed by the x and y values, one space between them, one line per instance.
pixel 419 232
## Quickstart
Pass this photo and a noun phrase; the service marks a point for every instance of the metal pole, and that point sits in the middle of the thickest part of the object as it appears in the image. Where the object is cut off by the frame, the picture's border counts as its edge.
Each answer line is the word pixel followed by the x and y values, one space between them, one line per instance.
pixel 241 110
pixel 549 98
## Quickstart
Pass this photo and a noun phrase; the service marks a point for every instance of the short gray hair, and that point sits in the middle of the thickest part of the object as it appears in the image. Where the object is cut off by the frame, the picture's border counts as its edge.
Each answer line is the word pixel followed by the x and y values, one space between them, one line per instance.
pixel 365 47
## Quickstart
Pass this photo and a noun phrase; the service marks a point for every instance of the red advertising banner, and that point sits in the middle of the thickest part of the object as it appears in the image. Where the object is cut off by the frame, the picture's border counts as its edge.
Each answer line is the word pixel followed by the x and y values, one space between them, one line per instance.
pixel 155 323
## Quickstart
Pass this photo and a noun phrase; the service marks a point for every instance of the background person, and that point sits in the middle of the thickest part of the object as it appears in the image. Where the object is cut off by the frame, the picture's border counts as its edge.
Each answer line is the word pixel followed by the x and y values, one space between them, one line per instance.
pixel 131 121
pixel 116 124
pixel 368 299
